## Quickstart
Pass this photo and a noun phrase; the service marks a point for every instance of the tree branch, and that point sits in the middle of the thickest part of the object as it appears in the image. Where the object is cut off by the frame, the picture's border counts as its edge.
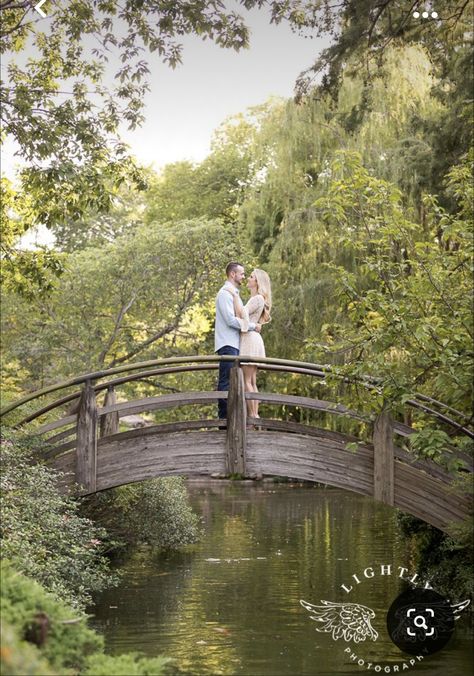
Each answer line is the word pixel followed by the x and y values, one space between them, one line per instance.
pixel 122 312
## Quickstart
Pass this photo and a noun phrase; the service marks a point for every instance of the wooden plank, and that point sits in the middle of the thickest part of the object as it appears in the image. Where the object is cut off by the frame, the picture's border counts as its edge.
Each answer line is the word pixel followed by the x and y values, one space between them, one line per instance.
pixel 423 464
pixel 162 402
pixel 191 453
pixel 302 457
pixel 383 458
pixel 165 428
pixel 306 402
pixel 86 440
pixel 236 423
pixel 119 381
pixel 62 422
pixel 58 450
pixel 62 435
pixel 145 453
pixel 425 490
pixel 109 423
pixel 301 428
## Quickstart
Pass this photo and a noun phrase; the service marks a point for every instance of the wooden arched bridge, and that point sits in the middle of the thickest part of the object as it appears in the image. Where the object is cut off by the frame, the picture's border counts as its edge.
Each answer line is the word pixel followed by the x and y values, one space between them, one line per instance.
pixel 94 455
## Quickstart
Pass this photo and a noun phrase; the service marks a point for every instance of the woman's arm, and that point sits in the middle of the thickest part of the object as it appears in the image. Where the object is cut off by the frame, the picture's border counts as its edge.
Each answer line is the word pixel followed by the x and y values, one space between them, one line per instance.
pixel 241 313
pixel 238 309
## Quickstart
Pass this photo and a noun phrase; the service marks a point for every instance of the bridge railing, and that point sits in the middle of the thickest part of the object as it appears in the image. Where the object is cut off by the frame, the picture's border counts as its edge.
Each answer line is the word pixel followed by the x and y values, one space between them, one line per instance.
pixel 90 423
pixel 442 412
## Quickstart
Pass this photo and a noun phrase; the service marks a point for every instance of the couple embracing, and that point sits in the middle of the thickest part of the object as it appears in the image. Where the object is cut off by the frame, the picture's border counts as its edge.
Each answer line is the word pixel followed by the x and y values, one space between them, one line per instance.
pixel 238 327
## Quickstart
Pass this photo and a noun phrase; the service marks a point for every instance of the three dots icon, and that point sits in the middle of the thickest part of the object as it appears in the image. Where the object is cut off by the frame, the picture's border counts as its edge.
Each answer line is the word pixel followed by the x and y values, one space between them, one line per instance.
pixel 425 15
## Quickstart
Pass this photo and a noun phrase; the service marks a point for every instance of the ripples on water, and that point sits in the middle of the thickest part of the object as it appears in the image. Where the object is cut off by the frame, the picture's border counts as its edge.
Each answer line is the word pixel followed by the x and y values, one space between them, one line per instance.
pixel 230 604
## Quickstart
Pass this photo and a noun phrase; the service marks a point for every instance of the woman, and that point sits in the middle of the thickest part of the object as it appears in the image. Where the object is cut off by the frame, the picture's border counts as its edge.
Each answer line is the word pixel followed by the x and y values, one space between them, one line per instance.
pixel 251 343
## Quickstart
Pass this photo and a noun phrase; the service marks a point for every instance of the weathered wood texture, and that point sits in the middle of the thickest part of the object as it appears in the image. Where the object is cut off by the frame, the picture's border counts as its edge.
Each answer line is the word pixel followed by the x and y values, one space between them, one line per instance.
pixel 236 423
pixel 186 453
pixel 306 402
pixel 62 435
pixel 109 423
pixel 140 405
pixel 86 440
pixel 326 460
pixel 383 458
pixel 321 457
pixel 429 499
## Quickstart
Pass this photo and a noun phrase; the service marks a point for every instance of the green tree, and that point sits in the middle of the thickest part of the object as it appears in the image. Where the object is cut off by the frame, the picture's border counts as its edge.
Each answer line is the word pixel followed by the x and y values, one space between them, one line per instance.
pixel 409 297
pixel 27 273
pixel 154 512
pixel 214 188
pixel 43 635
pixel 87 73
pixel 59 110
pixel 138 296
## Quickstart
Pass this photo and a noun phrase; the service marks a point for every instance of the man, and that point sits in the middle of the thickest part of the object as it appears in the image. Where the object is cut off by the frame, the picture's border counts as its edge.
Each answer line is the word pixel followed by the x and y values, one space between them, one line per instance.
pixel 227 328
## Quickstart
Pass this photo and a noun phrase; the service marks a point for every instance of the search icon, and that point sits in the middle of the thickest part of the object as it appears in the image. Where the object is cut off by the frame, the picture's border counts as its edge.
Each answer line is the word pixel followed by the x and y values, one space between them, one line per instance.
pixel 423 622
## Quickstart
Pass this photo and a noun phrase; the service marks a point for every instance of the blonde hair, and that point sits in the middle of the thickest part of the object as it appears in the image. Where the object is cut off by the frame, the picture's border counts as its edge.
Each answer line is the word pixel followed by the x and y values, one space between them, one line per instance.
pixel 264 288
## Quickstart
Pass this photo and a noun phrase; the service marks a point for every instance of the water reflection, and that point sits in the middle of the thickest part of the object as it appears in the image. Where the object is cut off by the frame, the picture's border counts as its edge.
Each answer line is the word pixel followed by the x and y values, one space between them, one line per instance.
pixel 230 605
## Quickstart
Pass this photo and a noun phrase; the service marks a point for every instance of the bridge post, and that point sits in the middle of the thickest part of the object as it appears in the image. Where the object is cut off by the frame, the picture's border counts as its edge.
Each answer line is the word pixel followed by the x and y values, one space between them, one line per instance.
pixel 236 422
pixel 86 444
pixel 109 423
pixel 383 458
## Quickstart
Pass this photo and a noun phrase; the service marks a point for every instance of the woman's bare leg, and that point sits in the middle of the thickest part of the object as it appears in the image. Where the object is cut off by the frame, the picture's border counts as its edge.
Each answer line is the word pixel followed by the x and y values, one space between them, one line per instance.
pixel 247 371
pixel 250 380
pixel 255 389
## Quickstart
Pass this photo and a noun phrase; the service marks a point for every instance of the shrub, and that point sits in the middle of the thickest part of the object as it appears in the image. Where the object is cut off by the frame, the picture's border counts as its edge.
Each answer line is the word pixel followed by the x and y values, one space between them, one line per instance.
pixel 443 560
pixel 19 658
pixel 130 664
pixel 32 611
pixel 41 636
pixel 42 532
pixel 154 512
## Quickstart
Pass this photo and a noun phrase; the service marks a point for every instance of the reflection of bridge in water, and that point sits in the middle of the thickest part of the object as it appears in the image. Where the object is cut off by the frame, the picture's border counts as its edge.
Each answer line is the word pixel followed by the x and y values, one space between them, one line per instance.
pixel 89 448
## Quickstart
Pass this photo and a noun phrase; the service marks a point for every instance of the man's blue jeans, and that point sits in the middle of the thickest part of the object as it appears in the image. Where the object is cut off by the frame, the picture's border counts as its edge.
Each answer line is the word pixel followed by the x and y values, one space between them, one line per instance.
pixel 224 377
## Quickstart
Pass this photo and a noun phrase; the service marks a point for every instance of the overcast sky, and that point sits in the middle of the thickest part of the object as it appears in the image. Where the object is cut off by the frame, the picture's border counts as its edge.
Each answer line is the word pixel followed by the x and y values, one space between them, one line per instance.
pixel 185 105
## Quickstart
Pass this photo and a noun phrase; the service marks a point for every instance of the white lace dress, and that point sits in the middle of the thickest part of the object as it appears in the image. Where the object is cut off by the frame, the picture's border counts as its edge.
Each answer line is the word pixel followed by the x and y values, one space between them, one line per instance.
pixel 251 342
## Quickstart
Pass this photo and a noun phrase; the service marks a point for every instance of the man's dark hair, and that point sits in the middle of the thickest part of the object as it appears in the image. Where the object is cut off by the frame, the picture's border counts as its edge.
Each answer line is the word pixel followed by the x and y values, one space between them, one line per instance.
pixel 231 267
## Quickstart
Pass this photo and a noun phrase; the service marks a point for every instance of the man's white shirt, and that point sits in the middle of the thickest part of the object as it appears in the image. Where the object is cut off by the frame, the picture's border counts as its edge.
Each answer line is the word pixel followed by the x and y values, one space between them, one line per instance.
pixel 227 326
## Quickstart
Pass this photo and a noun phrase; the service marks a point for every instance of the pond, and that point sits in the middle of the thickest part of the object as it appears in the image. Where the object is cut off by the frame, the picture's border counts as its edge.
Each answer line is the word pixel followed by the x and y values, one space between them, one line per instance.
pixel 231 604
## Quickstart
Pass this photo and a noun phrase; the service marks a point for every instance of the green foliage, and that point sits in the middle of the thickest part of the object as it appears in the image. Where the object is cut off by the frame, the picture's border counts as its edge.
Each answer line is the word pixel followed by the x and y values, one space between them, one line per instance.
pixel 443 560
pixel 430 443
pixel 42 532
pixel 409 300
pixel 33 617
pixel 18 658
pixel 154 512
pixel 97 228
pixel 364 29
pixel 130 664
pixel 86 74
pixel 26 272
pixel 215 188
pixel 141 295
pixel 33 612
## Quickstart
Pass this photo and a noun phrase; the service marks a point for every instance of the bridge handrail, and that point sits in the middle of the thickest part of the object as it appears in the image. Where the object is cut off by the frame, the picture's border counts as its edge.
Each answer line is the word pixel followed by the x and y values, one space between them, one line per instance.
pixel 202 362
